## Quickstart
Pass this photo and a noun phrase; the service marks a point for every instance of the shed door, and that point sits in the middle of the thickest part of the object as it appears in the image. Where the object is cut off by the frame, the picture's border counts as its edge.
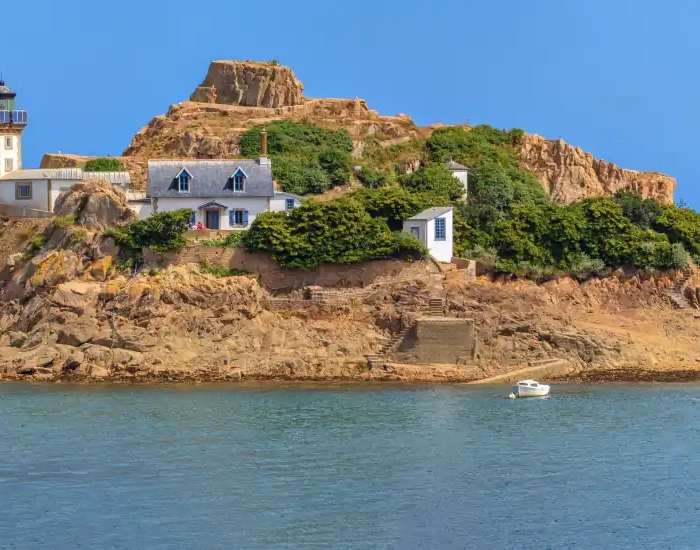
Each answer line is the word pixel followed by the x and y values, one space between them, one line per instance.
pixel 416 232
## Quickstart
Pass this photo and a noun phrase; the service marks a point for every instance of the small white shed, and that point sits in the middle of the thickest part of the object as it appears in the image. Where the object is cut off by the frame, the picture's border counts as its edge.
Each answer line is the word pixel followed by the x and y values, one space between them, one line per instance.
pixel 433 227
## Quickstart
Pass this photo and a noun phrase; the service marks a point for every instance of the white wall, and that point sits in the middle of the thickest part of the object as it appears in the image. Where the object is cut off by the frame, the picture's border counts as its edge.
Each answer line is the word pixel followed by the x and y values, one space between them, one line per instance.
pixel 463 176
pixel 142 209
pixel 279 203
pixel 12 153
pixel 254 206
pixel 40 194
pixel 422 226
pixel 58 187
pixel 441 250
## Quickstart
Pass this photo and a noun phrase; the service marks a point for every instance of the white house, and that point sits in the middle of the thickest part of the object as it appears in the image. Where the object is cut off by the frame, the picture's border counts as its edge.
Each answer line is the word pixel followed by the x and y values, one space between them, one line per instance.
pixel 225 194
pixel 39 188
pixel 434 228
pixel 460 172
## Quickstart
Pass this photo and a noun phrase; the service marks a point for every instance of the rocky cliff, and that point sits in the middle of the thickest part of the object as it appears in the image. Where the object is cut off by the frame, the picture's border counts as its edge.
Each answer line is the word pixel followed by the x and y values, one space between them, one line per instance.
pixel 236 95
pixel 569 174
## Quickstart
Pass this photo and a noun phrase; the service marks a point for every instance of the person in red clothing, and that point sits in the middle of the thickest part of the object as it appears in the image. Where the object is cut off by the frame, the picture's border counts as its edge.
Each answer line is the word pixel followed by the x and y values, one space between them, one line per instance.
pixel 200 226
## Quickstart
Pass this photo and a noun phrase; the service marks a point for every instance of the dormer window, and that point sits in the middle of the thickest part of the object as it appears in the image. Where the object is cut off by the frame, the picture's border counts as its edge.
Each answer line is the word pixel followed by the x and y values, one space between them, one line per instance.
pixel 183 181
pixel 236 182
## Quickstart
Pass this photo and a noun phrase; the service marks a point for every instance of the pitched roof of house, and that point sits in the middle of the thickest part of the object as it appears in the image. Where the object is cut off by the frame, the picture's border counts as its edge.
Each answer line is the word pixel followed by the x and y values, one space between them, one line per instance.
pixel 431 213
pixel 44 174
pixel 452 165
pixel 209 178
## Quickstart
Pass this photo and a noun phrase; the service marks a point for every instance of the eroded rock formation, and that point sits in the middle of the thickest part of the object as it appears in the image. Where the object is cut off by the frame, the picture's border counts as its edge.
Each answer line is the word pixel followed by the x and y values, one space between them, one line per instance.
pixel 249 84
pixel 95 205
pixel 570 174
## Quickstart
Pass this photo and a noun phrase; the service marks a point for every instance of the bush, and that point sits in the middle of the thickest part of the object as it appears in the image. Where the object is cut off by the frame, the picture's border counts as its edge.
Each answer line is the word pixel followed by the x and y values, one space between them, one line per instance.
pixel 233 239
pixel 585 267
pixel 435 179
pixel 104 165
pixel 162 232
pixel 338 231
pixel 374 179
pixel 305 158
pixel 407 247
pixel 392 203
pixel 64 221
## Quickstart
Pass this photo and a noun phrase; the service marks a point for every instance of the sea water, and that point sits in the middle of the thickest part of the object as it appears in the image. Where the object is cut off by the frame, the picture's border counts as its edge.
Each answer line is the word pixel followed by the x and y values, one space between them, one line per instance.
pixel 348 467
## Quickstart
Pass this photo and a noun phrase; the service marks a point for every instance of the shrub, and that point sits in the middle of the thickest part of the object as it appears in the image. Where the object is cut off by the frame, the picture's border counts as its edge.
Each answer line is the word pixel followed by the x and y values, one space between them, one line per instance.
pixel 394 204
pixel 296 177
pixel 162 232
pixel 585 266
pixel 233 239
pixel 374 179
pixel 220 270
pixel 338 231
pixel 407 247
pixel 104 165
pixel 678 257
pixel 335 163
pixel 34 246
pixel 435 179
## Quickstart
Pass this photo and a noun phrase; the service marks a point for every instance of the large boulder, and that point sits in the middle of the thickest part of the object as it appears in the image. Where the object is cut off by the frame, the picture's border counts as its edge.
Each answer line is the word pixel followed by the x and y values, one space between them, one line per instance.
pixel 249 84
pixel 95 205
pixel 78 333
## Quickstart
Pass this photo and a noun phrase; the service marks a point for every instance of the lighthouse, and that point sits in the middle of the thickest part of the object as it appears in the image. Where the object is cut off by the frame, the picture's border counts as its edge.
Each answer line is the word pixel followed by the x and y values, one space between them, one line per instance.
pixel 12 124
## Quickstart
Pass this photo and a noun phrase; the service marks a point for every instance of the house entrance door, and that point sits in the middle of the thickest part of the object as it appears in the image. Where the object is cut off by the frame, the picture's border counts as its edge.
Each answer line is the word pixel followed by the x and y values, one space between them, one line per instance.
pixel 212 219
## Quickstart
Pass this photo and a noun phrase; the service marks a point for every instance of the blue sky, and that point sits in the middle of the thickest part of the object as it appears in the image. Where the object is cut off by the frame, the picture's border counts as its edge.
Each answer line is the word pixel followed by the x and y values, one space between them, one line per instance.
pixel 618 78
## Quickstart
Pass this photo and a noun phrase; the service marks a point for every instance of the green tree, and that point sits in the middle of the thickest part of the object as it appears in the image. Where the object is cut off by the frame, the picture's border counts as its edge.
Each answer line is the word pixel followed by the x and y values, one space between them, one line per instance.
pixel 336 163
pixel 394 204
pixel 490 185
pixel 608 234
pixel 643 213
pixel 374 179
pixel 433 178
pixel 108 164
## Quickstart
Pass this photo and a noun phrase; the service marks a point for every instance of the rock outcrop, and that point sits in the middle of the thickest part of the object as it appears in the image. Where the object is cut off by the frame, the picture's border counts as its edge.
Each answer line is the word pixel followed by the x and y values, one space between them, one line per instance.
pixel 95 205
pixel 249 84
pixel 570 174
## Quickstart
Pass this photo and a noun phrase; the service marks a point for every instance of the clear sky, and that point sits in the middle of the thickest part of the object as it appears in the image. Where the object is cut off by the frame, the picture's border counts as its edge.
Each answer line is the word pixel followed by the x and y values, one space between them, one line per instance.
pixel 619 78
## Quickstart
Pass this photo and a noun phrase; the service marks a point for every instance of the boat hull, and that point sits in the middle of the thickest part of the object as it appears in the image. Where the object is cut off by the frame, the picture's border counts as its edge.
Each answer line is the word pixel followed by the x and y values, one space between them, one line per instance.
pixel 540 391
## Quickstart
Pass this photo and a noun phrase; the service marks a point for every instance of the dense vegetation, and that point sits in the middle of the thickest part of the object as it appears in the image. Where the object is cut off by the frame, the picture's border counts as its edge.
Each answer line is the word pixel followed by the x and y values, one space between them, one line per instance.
pixel 305 158
pixel 339 231
pixel 508 218
pixel 104 165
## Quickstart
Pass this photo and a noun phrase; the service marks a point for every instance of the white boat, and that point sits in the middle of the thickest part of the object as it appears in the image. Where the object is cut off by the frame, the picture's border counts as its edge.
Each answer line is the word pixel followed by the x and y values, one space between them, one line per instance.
pixel 530 388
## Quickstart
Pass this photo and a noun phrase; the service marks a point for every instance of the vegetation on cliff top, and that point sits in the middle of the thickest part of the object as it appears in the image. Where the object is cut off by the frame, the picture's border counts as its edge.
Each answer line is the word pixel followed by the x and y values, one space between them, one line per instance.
pixel 104 165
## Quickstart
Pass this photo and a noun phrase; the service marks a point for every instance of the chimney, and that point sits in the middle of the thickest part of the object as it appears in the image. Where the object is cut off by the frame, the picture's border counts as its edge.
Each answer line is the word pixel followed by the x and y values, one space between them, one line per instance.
pixel 263 143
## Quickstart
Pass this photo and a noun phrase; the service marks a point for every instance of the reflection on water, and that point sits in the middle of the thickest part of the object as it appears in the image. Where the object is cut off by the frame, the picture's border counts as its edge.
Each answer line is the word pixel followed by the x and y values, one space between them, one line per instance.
pixel 348 466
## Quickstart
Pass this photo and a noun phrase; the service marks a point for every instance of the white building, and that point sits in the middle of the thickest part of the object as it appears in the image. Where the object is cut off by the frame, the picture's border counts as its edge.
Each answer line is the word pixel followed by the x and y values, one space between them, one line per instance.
pixel 12 124
pixel 460 172
pixel 39 188
pixel 434 228
pixel 225 194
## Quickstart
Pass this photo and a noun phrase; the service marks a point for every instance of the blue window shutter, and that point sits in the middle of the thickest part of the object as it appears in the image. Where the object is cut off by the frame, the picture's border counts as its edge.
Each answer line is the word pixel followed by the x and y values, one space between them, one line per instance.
pixel 245 218
pixel 232 217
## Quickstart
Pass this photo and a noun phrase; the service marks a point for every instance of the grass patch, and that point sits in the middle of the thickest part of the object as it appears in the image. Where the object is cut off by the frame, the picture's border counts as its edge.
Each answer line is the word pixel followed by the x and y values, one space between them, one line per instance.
pixel 34 246
pixel 64 221
pixel 77 237
pixel 24 234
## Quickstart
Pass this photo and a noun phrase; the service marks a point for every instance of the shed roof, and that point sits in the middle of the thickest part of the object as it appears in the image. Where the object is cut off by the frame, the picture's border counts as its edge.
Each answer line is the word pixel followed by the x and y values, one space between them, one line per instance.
pixel 209 178
pixel 456 166
pixel 44 174
pixel 284 194
pixel 432 213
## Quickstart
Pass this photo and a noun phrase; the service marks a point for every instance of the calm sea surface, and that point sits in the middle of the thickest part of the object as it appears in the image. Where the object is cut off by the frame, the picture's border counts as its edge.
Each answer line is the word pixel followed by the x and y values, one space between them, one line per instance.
pixel 326 467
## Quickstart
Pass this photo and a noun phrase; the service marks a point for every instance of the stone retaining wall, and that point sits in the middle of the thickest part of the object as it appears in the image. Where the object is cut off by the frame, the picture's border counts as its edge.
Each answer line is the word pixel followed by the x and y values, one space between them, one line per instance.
pixel 23 212
pixel 440 340
pixel 274 277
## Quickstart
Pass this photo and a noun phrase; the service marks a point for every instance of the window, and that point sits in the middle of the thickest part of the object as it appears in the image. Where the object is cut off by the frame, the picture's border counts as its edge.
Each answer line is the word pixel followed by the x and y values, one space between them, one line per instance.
pixel 8 165
pixel 289 204
pixel 184 182
pixel 238 181
pixel 440 229
pixel 238 217
pixel 23 191
pixel 8 143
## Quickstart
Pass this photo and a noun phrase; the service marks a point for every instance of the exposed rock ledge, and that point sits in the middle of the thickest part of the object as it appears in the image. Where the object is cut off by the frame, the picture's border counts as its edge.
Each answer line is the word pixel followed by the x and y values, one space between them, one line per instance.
pixel 570 174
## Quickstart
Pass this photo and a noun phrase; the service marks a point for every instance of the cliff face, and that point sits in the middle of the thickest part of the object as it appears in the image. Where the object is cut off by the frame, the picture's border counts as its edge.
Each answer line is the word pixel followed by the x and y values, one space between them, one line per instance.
pixel 236 95
pixel 249 84
pixel 570 174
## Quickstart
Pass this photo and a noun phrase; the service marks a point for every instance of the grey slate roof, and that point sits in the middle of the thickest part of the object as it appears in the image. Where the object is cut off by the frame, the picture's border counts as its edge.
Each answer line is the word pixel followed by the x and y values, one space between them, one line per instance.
pixel 44 174
pixel 452 165
pixel 432 213
pixel 284 194
pixel 209 177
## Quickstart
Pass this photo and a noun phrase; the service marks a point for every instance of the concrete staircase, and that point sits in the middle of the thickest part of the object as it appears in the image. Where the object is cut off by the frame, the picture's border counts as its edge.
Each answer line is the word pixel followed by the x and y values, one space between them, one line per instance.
pixel 676 294
pixel 436 307
pixel 392 345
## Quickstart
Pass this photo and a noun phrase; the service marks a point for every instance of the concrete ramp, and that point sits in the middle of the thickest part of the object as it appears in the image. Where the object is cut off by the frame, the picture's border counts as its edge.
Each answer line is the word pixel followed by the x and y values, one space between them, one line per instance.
pixel 540 371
